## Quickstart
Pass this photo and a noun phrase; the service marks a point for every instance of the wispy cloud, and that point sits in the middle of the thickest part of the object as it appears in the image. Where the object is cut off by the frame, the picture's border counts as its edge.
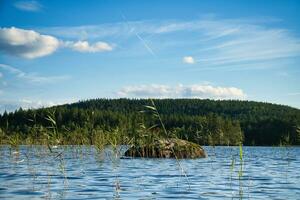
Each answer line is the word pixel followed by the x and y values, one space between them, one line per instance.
pixel 212 28
pixel 181 91
pixel 107 30
pixel 293 94
pixel 282 74
pixel 228 42
pixel 30 6
pixel 32 77
pixel 215 43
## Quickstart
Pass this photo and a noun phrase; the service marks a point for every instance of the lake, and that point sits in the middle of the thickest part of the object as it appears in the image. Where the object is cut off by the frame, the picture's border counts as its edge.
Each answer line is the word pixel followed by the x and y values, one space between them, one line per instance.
pixel 82 172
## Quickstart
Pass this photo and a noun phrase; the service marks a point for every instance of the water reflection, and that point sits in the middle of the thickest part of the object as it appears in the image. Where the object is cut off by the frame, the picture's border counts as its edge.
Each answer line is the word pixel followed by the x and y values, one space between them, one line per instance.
pixel 84 173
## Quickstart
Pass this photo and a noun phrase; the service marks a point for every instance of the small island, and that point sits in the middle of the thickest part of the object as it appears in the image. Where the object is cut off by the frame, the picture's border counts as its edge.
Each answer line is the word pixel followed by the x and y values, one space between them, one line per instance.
pixel 167 148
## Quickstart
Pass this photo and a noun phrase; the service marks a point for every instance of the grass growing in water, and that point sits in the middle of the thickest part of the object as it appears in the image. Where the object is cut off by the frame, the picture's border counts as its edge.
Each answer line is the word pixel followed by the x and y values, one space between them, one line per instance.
pixel 241 171
pixel 156 114
pixel 52 137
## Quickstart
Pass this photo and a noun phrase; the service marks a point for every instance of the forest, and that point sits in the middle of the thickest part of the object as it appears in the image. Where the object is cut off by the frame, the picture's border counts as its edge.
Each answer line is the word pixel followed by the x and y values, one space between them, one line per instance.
pixel 206 122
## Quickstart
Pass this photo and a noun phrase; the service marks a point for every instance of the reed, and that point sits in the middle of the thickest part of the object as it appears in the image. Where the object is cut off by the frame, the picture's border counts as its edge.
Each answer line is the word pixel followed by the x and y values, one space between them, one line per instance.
pixel 240 173
pixel 52 136
pixel 166 135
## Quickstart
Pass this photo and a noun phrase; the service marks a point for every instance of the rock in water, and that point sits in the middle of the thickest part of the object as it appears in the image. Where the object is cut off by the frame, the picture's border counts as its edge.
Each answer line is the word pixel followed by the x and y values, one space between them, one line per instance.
pixel 167 148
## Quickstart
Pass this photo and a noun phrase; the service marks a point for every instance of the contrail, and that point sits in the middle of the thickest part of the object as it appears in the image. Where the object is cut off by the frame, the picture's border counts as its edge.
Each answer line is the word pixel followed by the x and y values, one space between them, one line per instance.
pixel 145 44
pixel 139 37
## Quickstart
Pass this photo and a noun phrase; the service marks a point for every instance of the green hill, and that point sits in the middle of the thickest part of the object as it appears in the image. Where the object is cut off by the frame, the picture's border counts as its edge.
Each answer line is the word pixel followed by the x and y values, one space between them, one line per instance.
pixel 222 122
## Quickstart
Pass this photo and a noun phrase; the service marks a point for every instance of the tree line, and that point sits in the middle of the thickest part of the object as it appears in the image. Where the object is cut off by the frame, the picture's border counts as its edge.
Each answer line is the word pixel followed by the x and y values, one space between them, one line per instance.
pixel 208 122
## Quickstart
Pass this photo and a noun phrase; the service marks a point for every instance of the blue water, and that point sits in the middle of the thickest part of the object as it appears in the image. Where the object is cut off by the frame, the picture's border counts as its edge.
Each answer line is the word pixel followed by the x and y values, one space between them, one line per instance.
pixel 78 172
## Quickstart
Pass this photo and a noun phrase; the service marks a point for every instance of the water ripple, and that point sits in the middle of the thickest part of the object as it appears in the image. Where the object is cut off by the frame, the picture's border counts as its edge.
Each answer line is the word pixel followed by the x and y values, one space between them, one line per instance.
pixel 84 173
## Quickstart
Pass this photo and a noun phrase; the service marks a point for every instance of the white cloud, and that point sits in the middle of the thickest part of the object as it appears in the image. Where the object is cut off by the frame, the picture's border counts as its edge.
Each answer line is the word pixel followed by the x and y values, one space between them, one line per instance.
pixel 31 6
pixel 84 46
pixel 188 60
pixel 181 91
pixel 145 91
pixel 26 103
pixel 32 77
pixel 26 43
pixel 31 44
pixel 214 43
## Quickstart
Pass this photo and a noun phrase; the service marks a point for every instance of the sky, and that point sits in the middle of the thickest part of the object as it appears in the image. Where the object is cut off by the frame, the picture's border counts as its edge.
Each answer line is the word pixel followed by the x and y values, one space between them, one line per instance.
pixel 56 52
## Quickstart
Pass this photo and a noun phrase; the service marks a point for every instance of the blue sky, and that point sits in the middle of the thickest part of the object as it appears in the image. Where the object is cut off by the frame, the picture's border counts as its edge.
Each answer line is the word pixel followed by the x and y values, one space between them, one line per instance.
pixel 54 52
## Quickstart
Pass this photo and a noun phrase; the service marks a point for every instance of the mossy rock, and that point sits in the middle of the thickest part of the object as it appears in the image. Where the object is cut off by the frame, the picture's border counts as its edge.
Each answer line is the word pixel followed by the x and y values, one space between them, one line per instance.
pixel 167 148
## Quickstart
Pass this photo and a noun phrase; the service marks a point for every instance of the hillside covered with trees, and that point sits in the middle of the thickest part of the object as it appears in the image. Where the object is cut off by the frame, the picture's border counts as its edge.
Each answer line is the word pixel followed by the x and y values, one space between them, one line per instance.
pixel 209 122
